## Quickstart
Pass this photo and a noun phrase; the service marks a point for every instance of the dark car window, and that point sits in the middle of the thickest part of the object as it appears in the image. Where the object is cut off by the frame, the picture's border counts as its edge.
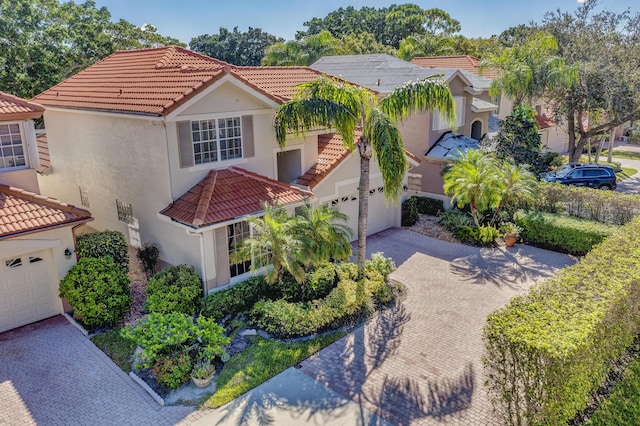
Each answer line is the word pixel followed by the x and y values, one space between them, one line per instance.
pixel 576 174
pixel 592 173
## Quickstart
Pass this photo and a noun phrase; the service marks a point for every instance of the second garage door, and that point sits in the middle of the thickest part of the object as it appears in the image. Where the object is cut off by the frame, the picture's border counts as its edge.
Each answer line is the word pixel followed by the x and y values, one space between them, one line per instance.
pixel 26 290
pixel 380 217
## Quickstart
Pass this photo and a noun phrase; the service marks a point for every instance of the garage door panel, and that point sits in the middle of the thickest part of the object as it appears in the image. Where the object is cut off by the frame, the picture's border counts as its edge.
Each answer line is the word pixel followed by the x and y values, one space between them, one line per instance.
pixel 26 291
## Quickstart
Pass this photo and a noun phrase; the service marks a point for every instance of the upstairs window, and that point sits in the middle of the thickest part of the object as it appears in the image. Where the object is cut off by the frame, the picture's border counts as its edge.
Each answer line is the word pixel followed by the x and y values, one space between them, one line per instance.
pixel 440 123
pixel 12 153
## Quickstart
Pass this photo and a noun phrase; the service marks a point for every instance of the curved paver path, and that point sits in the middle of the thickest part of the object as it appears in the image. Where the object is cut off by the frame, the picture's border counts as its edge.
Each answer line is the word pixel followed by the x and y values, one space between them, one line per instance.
pixel 421 362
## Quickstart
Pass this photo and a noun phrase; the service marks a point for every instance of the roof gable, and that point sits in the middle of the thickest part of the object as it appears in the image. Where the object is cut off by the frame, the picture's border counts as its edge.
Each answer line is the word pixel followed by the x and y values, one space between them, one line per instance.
pixel 230 193
pixel 15 108
pixel 464 62
pixel 26 212
pixel 158 81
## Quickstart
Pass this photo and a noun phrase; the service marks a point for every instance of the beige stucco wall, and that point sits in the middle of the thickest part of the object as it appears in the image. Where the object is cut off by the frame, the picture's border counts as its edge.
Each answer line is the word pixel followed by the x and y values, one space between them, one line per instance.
pixel 24 179
pixel 555 139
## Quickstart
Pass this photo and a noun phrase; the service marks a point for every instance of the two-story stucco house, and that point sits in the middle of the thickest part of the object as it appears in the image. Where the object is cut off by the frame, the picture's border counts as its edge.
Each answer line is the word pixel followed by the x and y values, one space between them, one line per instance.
pixel 178 149
pixel 36 232
pixel 420 132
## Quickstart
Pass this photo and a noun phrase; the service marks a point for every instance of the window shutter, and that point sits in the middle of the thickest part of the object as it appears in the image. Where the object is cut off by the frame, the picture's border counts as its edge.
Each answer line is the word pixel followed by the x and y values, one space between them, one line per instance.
pixel 223 274
pixel 247 136
pixel 185 144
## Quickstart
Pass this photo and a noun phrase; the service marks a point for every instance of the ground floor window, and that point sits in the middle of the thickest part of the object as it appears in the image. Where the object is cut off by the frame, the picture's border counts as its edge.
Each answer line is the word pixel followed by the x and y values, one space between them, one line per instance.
pixel 236 233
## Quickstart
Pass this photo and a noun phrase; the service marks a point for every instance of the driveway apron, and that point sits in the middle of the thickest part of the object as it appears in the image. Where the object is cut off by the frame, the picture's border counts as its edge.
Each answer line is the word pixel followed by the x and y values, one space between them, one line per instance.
pixel 50 374
pixel 420 363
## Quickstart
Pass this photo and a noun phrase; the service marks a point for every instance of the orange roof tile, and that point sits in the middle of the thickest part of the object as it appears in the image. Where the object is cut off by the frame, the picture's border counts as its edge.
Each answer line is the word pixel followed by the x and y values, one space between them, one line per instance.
pixel 15 108
pixel 331 152
pixel 463 62
pixel 43 153
pixel 24 212
pixel 544 122
pixel 157 81
pixel 229 193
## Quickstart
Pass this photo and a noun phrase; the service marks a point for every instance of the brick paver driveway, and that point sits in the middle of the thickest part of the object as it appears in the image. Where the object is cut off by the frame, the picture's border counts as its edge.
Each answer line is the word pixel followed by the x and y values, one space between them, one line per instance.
pixel 421 362
pixel 50 374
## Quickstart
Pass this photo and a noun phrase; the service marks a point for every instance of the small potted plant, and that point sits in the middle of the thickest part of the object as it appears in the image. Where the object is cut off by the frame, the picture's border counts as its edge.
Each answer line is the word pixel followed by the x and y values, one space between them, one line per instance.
pixel 511 233
pixel 202 373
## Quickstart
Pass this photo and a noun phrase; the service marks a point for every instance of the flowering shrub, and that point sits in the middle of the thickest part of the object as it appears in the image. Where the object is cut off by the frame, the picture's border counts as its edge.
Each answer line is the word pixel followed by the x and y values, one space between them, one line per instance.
pixel 172 371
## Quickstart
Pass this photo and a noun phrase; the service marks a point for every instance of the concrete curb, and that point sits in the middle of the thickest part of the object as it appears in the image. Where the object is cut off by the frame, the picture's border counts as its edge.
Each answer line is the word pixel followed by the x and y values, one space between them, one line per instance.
pixel 146 387
pixel 75 324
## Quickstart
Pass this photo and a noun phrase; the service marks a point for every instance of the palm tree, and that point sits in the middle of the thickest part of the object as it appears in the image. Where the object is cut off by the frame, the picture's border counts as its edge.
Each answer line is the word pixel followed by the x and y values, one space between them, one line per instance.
pixel 323 234
pixel 273 245
pixel 332 103
pixel 475 179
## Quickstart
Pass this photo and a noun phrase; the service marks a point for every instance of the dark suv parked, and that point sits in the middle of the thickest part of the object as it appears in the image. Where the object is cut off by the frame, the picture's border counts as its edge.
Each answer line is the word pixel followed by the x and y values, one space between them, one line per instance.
pixel 591 175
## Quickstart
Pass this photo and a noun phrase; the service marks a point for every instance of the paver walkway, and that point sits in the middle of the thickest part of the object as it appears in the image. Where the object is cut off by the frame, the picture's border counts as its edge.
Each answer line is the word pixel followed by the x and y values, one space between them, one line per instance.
pixel 50 375
pixel 421 362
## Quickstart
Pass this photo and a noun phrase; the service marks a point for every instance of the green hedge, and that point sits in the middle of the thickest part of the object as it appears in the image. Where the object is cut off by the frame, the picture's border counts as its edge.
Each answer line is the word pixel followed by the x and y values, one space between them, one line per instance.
pixel 430 206
pixel 409 212
pixel 236 299
pixel 104 244
pixel 547 351
pixel 175 289
pixel 561 232
pixel 350 298
pixel 594 204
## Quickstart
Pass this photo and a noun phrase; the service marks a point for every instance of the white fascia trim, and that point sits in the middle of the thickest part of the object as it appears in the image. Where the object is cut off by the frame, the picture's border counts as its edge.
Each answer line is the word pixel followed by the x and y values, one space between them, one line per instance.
pixel 133 115
pixel 472 90
pixel 226 79
pixel 211 115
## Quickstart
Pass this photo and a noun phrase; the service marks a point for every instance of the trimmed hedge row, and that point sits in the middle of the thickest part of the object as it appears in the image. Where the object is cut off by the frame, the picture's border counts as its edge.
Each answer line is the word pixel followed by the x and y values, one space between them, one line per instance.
pixel 561 232
pixel 104 244
pixel 348 299
pixel 594 204
pixel 236 299
pixel 423 205
pixel 547 351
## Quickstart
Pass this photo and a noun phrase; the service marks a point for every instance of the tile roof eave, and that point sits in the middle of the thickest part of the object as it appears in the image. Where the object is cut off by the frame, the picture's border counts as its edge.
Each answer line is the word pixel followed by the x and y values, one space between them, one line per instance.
pixel 20 116
pixel 73 222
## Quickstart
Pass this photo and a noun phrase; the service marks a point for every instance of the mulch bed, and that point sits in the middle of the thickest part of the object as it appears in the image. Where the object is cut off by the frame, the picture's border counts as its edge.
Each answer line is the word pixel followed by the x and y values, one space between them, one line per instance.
pixel 428 225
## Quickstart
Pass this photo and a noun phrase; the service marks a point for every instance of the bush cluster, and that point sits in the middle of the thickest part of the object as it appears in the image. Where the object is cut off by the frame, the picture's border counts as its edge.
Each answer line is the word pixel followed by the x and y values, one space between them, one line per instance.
pixel 173 370
pixel 97 290
pixel 409 215
pixel 603 206
pixel 175 289
pixel 350 298
pixel 104 244
pixel 430 206
pixel 319 281
pixel 562 233
pixel 236 299
pixel 547 351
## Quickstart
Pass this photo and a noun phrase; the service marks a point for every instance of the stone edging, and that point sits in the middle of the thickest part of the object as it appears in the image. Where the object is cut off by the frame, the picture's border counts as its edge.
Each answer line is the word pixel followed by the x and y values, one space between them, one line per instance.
pixel 147 388
pixel 75 324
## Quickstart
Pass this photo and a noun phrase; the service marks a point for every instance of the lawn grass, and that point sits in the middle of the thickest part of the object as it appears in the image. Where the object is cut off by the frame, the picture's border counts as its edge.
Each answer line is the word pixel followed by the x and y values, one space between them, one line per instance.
pixel 259 362
pixel 623 405
pixel 116 347
pixel 623 154
pixel 625 173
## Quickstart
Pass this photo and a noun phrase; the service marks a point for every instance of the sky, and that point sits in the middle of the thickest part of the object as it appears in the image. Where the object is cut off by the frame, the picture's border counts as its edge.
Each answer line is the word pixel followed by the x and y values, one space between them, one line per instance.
pixel 186 19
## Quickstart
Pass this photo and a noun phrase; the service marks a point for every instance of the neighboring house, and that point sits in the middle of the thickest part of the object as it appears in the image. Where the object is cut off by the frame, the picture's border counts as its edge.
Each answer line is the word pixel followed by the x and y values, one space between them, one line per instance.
pixel 176 148
pixel 553 135
pixel 382 73
pixel 36 232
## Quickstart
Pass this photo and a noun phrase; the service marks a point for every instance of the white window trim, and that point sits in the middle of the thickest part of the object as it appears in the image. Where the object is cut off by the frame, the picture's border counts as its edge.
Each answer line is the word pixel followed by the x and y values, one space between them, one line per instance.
pixel 25 147
pixel 215 119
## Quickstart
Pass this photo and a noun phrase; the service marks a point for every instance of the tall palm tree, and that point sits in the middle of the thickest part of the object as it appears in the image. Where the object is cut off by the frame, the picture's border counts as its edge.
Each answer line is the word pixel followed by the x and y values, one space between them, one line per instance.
pixel 475 179
pixel 332 103
pixel 324 235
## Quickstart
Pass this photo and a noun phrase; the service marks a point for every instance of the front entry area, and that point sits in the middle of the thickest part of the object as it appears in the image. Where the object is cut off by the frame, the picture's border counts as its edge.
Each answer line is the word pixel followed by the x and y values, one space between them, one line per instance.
pixel 27 290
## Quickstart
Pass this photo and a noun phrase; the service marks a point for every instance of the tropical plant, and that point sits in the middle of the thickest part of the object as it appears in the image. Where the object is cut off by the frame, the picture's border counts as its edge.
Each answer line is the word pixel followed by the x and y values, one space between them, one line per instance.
pixel 344 107
pixel 324 235
pixel 273 245
pixel 519 186
pixel 454 220
pixel 475 179
pixel 148 256
pixel 203 369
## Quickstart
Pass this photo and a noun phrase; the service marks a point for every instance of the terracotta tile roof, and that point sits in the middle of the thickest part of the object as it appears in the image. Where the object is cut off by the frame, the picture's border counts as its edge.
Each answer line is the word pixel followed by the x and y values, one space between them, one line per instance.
pixel 43 154
pixel 157 81
pixel 331 152
pixel 544 122
pixel 229 193
pixel 24 212
pixel 15 108
pixel 463 62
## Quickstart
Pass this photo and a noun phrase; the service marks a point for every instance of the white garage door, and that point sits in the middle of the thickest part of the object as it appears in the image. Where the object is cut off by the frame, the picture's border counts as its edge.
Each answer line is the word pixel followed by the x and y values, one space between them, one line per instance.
pixel 380 217
pixel 26 290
